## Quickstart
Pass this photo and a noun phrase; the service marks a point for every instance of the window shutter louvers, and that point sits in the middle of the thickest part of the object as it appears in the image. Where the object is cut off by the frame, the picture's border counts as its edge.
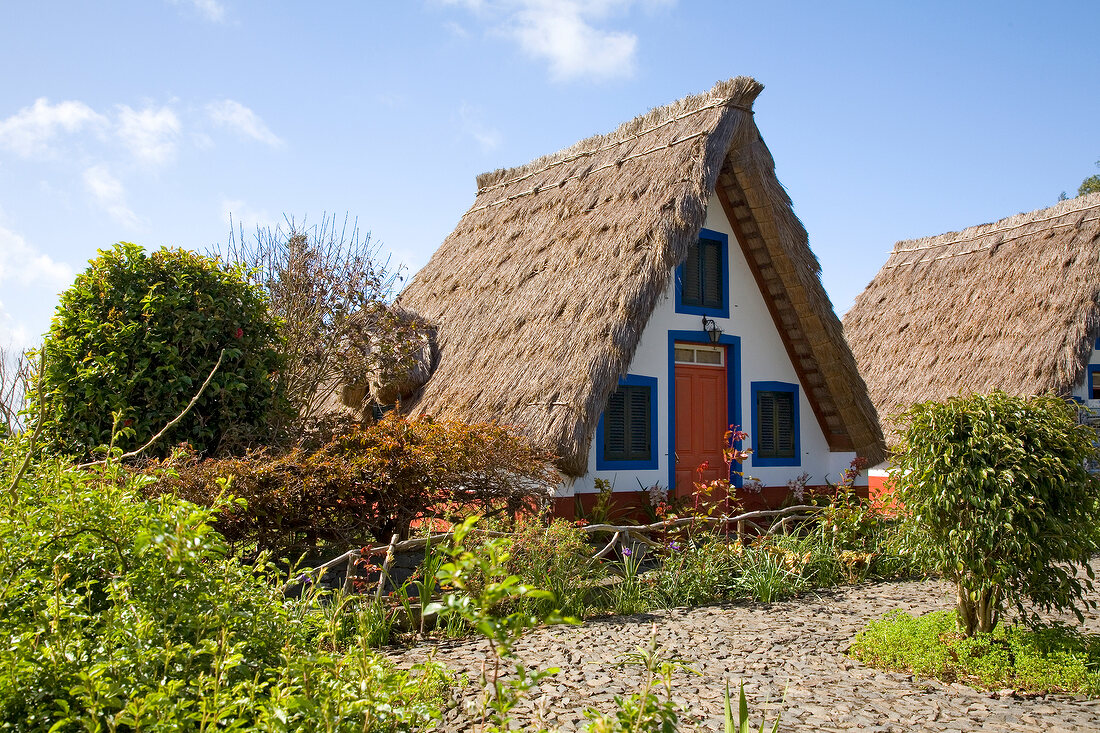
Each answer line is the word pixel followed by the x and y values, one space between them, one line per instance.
pixel 766 412
pixel 775 424
pixel 692 287
pixel 615 425
pixel 626 424
pixel 711 274
pixel 703 280
pixel 784 424
pixel 639 423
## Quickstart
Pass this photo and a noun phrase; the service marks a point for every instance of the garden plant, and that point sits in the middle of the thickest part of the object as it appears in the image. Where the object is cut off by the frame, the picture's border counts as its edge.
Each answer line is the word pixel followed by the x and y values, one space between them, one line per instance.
pixel 998 498
pixel 135 336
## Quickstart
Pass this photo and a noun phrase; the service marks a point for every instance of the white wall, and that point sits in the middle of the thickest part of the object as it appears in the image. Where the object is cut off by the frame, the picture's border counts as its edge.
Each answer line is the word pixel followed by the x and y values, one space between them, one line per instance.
pixel 1082 389
pixel 763 358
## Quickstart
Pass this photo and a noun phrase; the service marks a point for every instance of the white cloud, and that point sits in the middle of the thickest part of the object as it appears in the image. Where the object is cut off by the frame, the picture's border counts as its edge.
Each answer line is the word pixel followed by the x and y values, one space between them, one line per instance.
pixel 564 33
pixel 236 116
pixel 110 195
pixel 560 33
pixel 23 264
pixel 212 10
pixel 150 134
pixel 26 275
pixel 32 130
pixel 470 122
pixel 244 217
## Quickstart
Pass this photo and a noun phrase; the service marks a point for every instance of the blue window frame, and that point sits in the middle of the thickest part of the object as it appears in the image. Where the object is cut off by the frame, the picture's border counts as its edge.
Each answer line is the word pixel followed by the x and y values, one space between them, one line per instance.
pixel 626 436
pixel 775 429
pixel 1092 385
pixel 702 280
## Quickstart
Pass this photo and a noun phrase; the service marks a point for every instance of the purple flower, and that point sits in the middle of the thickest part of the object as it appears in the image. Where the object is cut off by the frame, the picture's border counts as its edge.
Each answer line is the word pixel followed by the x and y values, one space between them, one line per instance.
pixel 673 546
pixel 304 578
pixel 626 552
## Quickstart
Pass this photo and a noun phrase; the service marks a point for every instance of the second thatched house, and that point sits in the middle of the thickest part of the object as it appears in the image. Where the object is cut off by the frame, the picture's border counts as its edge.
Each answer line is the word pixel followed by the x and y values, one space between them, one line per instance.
pixel 626 300
pixel 1013 305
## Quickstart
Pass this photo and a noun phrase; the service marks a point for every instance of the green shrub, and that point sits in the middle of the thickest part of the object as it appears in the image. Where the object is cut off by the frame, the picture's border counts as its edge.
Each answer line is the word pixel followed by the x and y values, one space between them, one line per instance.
pixel 997 493
pixel 365 484
pixel 693 572
pixel 123 613
pixel 1049 659
pixel 137 334
pixel 555 556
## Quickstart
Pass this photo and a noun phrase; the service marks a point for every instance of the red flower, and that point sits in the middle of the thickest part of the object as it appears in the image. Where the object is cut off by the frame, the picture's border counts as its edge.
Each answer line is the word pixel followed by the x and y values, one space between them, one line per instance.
pixel 240 332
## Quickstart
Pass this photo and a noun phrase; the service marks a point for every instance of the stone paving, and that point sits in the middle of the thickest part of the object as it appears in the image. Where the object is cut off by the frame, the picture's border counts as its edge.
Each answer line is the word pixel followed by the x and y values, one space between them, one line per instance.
pixel 796 648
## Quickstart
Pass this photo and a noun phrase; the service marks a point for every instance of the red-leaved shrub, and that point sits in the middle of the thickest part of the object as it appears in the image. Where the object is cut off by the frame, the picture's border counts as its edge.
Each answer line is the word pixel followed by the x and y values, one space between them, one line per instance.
pixel 365 484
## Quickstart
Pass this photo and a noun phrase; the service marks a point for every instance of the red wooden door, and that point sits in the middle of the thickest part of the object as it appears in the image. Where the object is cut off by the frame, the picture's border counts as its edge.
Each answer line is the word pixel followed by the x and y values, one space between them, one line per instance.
pixel 701 423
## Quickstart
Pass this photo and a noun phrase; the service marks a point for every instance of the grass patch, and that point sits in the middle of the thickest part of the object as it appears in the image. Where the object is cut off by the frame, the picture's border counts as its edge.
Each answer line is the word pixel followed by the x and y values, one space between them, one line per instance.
pixel 1049 659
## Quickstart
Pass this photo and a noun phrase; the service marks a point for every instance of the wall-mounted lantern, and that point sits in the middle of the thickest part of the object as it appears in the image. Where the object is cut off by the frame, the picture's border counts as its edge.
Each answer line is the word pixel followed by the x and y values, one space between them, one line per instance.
pixel 712 330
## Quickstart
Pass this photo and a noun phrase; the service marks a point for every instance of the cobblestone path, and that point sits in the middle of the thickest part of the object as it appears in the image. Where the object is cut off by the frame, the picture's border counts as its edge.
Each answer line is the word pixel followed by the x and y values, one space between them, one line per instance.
pixel 794 646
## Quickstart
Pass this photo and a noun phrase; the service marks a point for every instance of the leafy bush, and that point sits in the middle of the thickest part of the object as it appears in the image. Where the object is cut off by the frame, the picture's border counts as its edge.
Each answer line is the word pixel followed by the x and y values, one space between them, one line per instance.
pixel 693 572
pixel 122 613
pixel 137 334
pixel 555 556
pixel 996 489
pixel 1050 659
pixel 366 484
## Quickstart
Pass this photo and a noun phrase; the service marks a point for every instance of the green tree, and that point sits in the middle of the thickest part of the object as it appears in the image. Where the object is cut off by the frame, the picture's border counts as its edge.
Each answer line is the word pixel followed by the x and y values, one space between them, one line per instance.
pixel 998 498
pixel 1090 184
pixel 135 336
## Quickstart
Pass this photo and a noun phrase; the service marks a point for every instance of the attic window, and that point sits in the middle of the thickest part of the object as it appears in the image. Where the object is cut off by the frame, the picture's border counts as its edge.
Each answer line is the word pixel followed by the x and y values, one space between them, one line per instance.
pixel 628 427
pixel 775 428
pixel 702 275
pixel 701 281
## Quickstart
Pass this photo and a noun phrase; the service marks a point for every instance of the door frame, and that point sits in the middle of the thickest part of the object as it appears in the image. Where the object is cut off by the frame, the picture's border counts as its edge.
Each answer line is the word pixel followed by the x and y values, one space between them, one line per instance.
pixel 733 391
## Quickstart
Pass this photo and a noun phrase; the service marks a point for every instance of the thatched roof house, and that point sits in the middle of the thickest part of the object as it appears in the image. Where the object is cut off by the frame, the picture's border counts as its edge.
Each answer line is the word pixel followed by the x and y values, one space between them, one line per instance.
pixel 542 293
pixel 1013 305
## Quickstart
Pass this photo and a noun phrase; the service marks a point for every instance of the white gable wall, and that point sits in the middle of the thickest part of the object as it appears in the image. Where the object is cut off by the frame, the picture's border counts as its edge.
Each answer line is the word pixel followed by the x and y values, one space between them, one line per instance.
pixel 763 358
pixel 1083 389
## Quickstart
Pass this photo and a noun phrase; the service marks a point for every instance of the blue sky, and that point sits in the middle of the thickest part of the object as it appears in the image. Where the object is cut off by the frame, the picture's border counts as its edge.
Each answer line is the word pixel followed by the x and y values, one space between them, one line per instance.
pixel 151 120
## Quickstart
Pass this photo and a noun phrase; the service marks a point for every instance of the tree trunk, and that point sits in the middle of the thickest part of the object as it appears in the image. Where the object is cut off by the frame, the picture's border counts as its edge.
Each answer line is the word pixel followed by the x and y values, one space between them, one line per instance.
pixel 977 613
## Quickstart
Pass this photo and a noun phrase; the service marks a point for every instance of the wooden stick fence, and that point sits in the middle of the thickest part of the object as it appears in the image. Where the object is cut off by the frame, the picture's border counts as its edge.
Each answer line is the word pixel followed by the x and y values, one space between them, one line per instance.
pixel 779 521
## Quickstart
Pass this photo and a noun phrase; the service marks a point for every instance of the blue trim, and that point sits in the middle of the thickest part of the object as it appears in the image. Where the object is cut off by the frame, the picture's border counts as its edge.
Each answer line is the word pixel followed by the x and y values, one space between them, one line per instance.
pixel 758 461
pixel 1093 368
pixel 1096 346
pixel 733 391
pixel 602 464
pixel 724 311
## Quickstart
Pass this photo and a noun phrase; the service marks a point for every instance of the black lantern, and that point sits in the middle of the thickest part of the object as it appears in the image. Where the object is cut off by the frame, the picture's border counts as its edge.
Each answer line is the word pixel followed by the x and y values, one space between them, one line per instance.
pixel 712 330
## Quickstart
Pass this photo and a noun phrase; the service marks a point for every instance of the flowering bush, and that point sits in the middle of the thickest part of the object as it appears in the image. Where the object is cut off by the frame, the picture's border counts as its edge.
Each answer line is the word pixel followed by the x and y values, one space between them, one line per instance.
pixel 718 493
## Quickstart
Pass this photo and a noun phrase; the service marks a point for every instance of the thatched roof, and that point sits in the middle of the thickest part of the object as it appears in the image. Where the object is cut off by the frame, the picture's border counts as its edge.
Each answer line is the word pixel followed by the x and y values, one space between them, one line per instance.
pixel 541 292
pixel 1013 305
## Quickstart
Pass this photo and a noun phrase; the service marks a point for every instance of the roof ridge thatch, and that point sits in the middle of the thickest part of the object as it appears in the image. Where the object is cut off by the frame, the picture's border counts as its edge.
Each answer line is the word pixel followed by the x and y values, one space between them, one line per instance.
pixel 542 291
pixel 1061 210
pixel 739 92
pixel 1012 304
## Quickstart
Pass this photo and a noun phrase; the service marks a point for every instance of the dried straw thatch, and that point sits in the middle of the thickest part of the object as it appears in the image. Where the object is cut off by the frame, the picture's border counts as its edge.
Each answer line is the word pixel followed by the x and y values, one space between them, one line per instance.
pixel 541 293
pixel 1013 305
